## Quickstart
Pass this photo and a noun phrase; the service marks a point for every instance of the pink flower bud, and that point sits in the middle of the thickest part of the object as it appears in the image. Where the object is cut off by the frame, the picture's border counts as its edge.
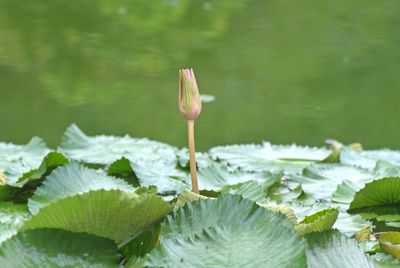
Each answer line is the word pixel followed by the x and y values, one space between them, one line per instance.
pixel 189 96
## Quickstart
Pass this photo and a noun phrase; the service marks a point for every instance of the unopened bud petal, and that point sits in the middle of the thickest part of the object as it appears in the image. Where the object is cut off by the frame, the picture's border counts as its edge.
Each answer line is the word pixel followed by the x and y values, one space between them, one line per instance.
pixel 189 96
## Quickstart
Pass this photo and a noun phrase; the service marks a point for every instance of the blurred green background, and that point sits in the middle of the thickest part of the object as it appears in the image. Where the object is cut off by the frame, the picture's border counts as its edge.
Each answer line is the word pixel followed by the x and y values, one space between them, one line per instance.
pixel 280 70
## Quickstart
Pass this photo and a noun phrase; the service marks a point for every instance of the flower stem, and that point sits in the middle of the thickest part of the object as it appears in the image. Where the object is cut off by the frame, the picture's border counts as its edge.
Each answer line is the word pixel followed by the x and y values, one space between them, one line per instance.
pixel 192 157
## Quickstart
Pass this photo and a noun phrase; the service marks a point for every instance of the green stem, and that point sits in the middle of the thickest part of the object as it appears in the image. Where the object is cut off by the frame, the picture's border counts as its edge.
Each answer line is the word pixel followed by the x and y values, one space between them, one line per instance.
pixel 192 157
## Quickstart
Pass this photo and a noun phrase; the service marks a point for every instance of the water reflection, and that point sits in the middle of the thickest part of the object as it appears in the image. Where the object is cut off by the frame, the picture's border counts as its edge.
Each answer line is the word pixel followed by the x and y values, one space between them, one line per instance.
pixel 280 70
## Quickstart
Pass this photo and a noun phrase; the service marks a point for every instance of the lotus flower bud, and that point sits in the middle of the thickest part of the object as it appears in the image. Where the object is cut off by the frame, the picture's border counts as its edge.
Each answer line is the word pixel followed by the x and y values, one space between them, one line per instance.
pixel 189 96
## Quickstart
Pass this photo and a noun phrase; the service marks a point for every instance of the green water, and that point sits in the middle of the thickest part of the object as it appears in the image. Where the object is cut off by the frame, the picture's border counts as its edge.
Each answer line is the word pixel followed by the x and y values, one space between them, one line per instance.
pixel 284 71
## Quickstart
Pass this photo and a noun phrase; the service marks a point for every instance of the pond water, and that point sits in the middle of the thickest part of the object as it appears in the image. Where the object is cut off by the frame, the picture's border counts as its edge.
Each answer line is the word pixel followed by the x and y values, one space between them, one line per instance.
pixel 283 71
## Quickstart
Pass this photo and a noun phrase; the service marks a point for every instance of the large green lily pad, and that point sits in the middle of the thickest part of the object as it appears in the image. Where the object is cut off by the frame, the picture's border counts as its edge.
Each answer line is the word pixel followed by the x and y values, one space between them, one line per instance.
pixel 227 232
pixel 107 149
pixel 113 214
pixel 268 157
pixel 57 248
pixel 381 196
pixel 71 180
pixel 332 249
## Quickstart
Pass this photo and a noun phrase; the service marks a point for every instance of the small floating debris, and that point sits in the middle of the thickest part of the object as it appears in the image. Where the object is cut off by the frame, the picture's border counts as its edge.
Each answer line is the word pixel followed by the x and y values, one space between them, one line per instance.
pixel 207 98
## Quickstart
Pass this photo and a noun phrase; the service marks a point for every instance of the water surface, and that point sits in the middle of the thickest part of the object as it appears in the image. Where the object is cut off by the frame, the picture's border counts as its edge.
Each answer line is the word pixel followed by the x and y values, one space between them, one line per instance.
pixel 284 71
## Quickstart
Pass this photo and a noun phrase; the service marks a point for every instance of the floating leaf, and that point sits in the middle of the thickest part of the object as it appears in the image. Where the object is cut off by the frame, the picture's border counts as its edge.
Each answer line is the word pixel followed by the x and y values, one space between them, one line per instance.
pixel 142 244
pixel 202 159
pixel 352 225
pixel 15 160
pixel 285 191
pixel 122 169
pixel 344 192
pixel 187 196
pixel 322 180
pixel 395 224
pixel 227 232
pixel 368 159
pixel 58 248
pixel 352 157
pixel 216 176
pixel 107 149
pixel 251 190
pixel 386 169
pixel 331 249
pixel 268 157
pixel 113 214
pixel 12 216
pixel 345 223
pixel 23 189
pixel 135 262
pixel 389 217
pixel 335 146
pixel 318 222
pixel 15 194
pixel 3 179
pixel 223 247
pixel 71 180
pixel 50 162
pixel 302 210
pixel 386 260
pixel 283 209
pixel 167 178
pixel 380 196
pixel 371 247
pixel 390 243
pixel 202 214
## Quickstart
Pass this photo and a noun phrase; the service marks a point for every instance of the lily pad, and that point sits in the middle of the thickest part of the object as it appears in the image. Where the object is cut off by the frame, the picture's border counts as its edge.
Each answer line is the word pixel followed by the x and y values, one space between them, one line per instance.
pixel 58 248
pixel 143 243
pixel 387 169
pixel 352 225
pixel 285 191
pixel 50 162
pixel 187 196
pixel 113 214
pixel 15 160
pixel 3 179
pixel 202 159
pixel 386 260
pixel 368 159
pixel 390 217
pixel 331 249
pixel 318 222
pixel 395 224
pixel 70 180
pixel 121 168
pixel 344 192
pixel 322 180
pixel 251 190
pixel 227 232
pixel 12 216
pixel 283 209
pixel 167 178
pixel 302 210
pixel 217 176
pixel 380 196
pixel 268 157
pixel 390 243
pixel 105 150
pixel 22 188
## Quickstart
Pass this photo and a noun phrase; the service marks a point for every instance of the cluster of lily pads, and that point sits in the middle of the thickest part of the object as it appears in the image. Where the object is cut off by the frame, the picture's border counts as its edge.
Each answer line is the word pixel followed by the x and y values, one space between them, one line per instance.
pixel 105 201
